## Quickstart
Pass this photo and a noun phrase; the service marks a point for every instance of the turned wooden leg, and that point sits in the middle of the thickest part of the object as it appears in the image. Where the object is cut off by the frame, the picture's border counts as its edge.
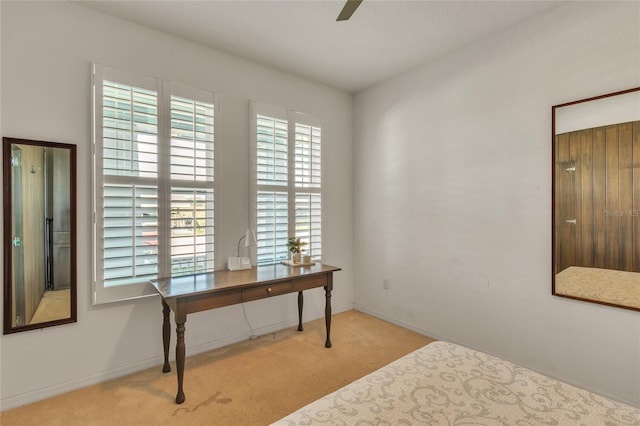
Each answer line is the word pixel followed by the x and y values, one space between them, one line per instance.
pixel 180 355
pixel 327 309
pixel 300 303
pixel 166 336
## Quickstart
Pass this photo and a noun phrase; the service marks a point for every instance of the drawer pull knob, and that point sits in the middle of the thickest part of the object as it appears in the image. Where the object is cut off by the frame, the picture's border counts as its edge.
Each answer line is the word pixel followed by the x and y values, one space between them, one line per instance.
pixel 269 290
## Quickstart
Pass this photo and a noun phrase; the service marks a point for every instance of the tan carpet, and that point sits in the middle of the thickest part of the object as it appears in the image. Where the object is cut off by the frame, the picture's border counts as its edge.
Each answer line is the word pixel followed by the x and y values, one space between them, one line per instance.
pixel 250 383
pixel 54 305
pixel 601 285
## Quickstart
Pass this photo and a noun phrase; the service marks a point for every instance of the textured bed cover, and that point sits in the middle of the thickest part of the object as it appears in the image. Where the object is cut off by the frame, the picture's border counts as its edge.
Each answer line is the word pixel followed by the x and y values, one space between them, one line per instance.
pixel 447 384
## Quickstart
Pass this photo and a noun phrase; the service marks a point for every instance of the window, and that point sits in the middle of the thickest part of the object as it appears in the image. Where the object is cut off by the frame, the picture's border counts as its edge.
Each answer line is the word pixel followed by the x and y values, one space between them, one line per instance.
pixel 286 156
pixel 153 182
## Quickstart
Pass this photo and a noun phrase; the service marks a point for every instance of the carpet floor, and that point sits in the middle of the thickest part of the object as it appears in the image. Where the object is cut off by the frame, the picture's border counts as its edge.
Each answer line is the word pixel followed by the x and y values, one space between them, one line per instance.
pixel 254 382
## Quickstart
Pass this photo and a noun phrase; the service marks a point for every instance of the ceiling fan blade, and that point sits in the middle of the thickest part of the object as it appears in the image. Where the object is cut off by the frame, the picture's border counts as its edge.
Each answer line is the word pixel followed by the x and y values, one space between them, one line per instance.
pixel 348 9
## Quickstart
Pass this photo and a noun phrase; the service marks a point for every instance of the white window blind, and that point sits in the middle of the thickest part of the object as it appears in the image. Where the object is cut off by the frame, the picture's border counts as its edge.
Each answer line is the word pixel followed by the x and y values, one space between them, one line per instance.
pixel 192 193
pixel 272 151
pixel 287 182
pixel 308 185
pixel 153 182
pixel 272 226
pixel 130 224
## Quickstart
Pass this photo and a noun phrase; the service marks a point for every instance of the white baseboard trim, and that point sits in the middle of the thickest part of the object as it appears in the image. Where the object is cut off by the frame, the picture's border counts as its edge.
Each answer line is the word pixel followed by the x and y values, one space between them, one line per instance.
pixel 397 322
pixel 157 361
pixel 68 386
pixel 554 374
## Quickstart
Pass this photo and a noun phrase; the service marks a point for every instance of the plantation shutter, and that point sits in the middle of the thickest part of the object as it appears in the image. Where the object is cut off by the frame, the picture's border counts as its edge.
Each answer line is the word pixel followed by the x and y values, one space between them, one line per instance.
pixel 192 193
pixel 308 185
pixel 130 192
pixel 154 182
pixel 272 164
pixel 287 182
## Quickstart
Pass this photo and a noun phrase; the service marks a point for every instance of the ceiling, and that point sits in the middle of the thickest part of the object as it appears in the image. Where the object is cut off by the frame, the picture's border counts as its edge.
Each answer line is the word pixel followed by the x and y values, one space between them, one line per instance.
pixel 382 38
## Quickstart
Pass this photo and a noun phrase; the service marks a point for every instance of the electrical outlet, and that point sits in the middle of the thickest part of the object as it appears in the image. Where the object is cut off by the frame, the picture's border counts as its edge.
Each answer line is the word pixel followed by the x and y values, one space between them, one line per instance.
pixel 385 283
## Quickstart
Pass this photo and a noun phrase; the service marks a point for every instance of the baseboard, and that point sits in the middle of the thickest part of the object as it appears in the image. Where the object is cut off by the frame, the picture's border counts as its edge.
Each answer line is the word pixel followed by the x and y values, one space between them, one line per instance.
pixel 104 376
pixel 554 374
pixel 402 324
pixel 71 385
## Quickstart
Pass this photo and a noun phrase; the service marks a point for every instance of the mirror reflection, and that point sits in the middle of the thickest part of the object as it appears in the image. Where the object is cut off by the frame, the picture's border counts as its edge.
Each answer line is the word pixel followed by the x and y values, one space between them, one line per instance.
pixel 39 233
pixel 596 201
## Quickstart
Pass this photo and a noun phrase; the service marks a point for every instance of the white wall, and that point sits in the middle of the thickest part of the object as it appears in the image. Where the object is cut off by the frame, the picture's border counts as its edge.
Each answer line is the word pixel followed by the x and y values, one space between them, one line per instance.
pixel 453 196
pixel 47 49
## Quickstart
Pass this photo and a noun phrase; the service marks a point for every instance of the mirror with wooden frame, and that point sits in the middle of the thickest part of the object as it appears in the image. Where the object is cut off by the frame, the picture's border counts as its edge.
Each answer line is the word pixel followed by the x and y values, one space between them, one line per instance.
pixel 39 234
pixel 596 199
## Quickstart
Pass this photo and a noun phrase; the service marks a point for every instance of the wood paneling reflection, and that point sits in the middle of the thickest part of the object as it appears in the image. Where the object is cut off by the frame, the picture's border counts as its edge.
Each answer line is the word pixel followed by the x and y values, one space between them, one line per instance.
pixel 598 187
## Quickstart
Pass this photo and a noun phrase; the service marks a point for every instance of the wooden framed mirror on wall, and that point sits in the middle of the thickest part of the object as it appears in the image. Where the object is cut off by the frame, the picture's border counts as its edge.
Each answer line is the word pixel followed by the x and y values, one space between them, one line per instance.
pixel 39 234
pixel 596 199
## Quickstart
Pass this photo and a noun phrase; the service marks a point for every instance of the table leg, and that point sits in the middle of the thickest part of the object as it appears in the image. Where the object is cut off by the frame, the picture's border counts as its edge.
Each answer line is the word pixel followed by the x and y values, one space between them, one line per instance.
pixel 166 336
pixel 300 303
pixel 327 309
pixel 180 355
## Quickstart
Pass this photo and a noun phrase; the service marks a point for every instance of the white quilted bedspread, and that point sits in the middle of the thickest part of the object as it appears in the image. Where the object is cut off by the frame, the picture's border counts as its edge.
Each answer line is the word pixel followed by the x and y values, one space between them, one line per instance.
pixel 447 384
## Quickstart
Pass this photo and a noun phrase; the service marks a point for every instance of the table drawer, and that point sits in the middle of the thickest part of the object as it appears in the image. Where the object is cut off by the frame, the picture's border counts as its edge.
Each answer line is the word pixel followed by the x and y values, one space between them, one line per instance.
pixel 205 302
pixel 267 291
pixel 312 281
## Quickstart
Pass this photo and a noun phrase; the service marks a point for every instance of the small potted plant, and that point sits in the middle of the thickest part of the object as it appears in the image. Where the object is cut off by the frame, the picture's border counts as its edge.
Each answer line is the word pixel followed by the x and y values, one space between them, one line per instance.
pixel 295 248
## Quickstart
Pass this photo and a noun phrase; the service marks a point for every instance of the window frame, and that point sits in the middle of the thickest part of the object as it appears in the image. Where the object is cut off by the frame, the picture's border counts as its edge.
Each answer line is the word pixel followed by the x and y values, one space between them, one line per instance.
pixel 292 117
pixel 164 91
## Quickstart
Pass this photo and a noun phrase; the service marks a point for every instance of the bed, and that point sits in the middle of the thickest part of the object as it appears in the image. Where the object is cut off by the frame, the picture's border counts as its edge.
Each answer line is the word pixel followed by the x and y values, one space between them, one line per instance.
pixel 446 384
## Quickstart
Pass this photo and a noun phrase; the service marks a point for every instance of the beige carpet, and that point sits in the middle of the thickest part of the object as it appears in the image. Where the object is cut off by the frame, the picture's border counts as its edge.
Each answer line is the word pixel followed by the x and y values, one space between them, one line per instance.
pixel 54 305
pixel 250 383
pixel 601 285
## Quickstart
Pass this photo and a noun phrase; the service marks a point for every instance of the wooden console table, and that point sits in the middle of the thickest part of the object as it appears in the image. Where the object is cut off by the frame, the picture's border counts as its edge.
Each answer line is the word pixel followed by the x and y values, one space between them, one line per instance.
pixel 194 293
